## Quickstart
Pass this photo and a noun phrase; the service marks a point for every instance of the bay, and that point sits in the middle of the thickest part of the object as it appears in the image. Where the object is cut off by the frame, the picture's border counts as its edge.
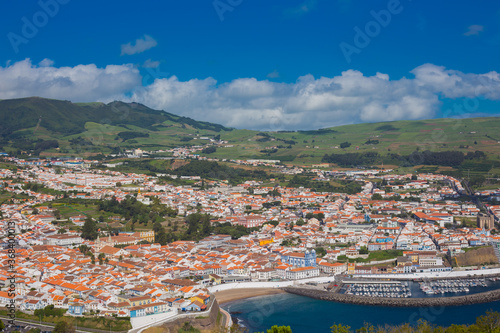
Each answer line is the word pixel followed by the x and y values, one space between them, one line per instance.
pixel 304 314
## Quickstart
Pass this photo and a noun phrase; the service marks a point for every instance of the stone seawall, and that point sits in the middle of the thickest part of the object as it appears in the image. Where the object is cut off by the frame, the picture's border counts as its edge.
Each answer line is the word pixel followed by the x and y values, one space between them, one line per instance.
pixel 486 297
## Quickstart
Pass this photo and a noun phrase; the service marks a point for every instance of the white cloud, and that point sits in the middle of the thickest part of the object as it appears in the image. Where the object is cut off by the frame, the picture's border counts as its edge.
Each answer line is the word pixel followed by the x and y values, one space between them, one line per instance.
pixel 140 45
pixel 151 64
pixel 46 63
pixel 474 29
pixel 273 75
pixel 82 83
pixel 307 103
pixel 455 84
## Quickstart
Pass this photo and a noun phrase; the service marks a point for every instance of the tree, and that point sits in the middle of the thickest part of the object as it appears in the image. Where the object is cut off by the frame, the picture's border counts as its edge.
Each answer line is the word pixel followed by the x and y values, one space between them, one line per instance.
pixel 61 231
pixel 2 325
pixel 377 196
pixel 157 227
pixel 345 144
pixel 339 328
pixel 320 251
pixel 489 323
pixel 63 327
pixel 279 329
pixel 101 258
pixel 89 229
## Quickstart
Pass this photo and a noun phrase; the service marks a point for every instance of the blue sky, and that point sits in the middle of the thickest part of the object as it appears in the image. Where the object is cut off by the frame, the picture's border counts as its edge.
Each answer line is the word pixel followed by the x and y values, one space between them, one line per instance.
pixel 292 64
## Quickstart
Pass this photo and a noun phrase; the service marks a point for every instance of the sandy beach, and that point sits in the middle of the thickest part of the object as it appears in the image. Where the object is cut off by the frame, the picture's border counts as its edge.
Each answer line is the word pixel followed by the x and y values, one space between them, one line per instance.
pixel 237 294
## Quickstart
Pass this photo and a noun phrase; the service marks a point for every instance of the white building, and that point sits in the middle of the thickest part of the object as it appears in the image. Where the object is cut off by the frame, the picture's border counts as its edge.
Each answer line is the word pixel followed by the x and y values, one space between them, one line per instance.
pixel 302 273
pixel 63 240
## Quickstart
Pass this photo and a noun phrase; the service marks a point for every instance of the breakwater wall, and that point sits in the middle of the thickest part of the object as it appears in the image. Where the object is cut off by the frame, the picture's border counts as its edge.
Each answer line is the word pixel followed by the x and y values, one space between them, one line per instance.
pixel 486 297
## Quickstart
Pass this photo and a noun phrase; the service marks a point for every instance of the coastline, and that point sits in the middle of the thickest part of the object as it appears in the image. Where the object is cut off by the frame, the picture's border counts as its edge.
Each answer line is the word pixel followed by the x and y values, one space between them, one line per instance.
pixel 231 295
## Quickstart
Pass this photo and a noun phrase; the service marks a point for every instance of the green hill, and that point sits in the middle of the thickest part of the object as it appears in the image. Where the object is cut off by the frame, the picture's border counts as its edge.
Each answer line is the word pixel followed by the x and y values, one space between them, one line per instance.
pixel 53 127
pixel 92 127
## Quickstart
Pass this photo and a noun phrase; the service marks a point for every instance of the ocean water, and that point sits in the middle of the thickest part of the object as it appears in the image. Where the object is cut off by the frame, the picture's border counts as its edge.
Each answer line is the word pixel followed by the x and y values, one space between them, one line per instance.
pixel 305 315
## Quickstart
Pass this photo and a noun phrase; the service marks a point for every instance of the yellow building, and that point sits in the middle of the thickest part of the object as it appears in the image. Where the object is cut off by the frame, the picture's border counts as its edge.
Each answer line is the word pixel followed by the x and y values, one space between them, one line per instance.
pixel 266 241
pixel 146 235
pixel 351 267
pixel 215 278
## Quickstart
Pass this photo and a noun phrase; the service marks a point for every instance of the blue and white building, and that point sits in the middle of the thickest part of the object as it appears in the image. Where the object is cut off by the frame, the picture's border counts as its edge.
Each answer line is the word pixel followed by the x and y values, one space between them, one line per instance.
pixel 307 259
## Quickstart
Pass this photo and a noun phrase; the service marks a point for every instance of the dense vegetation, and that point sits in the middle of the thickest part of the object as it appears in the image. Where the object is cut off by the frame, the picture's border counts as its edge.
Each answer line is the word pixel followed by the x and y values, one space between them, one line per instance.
pixel 49 310
pixel 204 169
pixel 134 210
pixel 214 170
pixel 200 226
pixel 209 150
pixel 443 158
pixel 352 159
pixel 132 135
pixel 347 186
pixel 90 231
pixel 40 188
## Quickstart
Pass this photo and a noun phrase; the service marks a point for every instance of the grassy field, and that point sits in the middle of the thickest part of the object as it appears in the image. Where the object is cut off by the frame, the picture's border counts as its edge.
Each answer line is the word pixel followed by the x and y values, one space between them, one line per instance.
pixel 8 166
pixel 470 222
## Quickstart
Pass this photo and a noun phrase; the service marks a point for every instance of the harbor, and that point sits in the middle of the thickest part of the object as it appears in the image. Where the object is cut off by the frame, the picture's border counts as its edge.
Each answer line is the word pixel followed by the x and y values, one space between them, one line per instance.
pixel 451 286
pixel 392 289
pixel 420 289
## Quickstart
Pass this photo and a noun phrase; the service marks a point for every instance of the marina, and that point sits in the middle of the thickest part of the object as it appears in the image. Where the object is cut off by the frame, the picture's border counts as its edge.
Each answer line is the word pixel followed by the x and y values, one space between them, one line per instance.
pixel 451 286
pixel 422 289
pixel 396 290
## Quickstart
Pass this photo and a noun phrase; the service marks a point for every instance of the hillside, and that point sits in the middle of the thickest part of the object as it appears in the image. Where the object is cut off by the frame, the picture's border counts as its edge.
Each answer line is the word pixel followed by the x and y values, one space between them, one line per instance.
pixel 86 128
pixel 399 137
pixel 479 256
pixel 52 127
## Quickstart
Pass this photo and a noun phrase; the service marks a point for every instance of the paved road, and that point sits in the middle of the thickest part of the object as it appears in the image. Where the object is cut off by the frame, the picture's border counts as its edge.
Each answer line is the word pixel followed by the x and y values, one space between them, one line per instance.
pixel 227 317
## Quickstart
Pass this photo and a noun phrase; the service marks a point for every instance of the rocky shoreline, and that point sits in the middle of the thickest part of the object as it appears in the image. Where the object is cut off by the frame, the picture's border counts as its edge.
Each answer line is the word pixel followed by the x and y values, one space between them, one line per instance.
pixel 486 297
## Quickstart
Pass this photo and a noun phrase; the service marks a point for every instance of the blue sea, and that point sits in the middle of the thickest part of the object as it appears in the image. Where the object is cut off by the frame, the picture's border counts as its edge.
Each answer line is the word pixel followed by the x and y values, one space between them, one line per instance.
pixel 305 315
